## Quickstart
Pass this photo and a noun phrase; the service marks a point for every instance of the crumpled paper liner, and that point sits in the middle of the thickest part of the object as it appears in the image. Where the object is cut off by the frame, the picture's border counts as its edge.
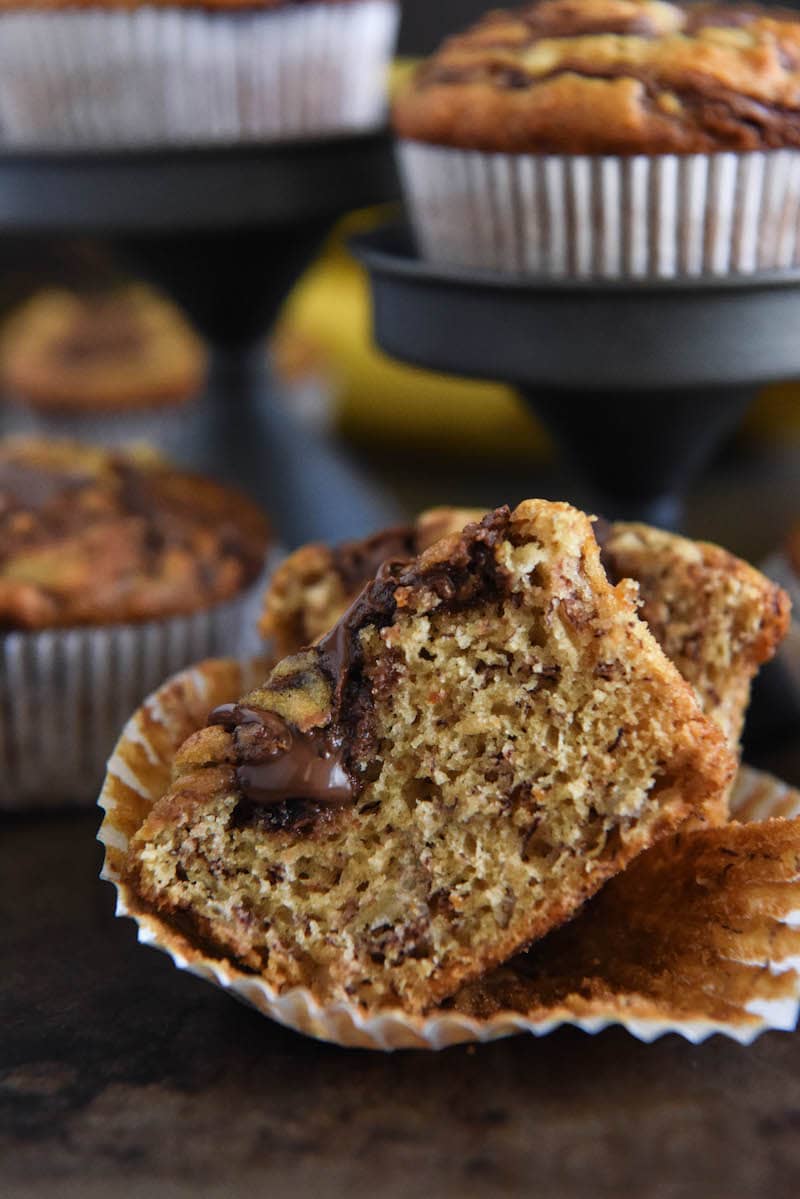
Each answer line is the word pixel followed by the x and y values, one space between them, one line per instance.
pixel 66 693
pixel 750 983
pixel 660 216
pixel 95 77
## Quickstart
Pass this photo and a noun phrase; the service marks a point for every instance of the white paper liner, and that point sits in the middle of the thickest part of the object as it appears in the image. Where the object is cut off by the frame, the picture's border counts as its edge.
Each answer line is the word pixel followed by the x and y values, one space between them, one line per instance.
pixel 93 78
pixel 139 773
pixel 181 432
pixel 655 216
pixel 66 693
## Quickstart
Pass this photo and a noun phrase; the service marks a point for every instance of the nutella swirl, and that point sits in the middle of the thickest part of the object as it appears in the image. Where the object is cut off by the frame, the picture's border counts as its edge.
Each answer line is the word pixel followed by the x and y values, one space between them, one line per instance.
pixel 293 765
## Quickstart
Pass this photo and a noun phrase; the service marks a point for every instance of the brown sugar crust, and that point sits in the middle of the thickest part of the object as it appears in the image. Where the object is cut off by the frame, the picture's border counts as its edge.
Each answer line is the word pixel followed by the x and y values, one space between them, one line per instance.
pixel 612 77
pixel 717 618
pixel 122 351
pixel 91 537
pixel 513 737
pixel 685 932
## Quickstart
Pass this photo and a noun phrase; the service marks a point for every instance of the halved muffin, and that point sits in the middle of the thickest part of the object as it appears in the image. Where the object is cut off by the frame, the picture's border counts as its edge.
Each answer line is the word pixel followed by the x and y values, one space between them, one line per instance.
pixel 716 617
pixel 486 736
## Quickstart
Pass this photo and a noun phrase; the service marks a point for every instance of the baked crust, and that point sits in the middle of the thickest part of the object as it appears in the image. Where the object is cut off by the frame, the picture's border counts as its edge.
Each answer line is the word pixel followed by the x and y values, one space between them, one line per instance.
pixel 92 537
pixel 716 617
pixel 373 900
pixel 122 351
pixel 612 77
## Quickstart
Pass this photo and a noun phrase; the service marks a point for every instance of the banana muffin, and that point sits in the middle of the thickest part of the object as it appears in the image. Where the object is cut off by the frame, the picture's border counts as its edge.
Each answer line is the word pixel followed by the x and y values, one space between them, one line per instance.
pixel 91 537
pixel 485 737
pixel 609 137
pixel 115 571
pixel 612 77
pixel 113 352
pixel 717 618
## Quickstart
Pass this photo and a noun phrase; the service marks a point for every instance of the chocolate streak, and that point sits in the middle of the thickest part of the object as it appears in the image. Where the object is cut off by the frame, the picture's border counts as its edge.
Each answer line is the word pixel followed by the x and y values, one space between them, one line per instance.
pixel 280 765
pixel 292 765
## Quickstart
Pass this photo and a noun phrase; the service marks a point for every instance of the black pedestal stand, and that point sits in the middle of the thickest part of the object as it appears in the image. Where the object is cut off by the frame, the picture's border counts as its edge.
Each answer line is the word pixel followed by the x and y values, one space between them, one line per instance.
pixel 227 231
pixel 638 381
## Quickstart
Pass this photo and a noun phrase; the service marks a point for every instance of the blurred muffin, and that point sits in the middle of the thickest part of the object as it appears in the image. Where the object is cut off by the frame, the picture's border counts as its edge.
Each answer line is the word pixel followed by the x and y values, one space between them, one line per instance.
pixel 111 367
pixel 115 571
pixel 111 352
pixel 128 73
pixel 608 137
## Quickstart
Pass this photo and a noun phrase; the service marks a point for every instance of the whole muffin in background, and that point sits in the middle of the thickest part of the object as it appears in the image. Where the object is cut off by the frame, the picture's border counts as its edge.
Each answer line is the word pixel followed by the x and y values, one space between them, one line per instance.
pixel 113 351
pixel 129 74
pixel 609 137
pixel 115 571
pixel 111 367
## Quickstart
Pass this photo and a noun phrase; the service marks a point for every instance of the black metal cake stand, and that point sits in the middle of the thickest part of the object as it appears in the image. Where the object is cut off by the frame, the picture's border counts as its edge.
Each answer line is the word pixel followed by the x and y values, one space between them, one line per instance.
pixel 638 381
pixel 227 230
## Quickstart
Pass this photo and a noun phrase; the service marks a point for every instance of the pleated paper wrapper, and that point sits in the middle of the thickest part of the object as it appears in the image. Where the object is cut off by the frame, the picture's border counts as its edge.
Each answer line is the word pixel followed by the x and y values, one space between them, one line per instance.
pixel 65 694
pixel 117 78
pixel 660 216
pixel 752 975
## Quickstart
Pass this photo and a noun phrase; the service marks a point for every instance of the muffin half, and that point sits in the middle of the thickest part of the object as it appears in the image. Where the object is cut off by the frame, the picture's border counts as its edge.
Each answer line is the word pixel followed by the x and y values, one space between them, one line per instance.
pixel 487 736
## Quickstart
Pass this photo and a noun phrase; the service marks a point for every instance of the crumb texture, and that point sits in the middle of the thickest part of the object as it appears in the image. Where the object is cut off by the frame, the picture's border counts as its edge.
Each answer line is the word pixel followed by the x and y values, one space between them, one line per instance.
pixel 516 736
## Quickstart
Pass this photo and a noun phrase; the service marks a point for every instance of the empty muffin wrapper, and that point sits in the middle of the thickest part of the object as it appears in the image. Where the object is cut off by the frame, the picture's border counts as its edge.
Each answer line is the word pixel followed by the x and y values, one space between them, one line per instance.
pixel 116 78
pixel 750 980
pixel 66 693
pixel 659 216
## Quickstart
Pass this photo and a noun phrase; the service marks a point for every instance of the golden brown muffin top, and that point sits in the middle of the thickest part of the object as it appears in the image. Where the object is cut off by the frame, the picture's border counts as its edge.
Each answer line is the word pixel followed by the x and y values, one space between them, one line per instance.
pixel 612 76
pixel 121 350
pixel 91 537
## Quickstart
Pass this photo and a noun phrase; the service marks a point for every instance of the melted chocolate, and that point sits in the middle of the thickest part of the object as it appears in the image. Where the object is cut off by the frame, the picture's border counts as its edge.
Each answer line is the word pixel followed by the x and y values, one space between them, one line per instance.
pixel 356 562
pixel 278 764
pixel 286 764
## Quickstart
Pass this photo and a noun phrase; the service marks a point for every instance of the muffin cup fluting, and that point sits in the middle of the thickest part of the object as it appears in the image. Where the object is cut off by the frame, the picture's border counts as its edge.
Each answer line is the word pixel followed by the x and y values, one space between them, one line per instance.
pixel 91 78
pixel 66 693
pixel 658 216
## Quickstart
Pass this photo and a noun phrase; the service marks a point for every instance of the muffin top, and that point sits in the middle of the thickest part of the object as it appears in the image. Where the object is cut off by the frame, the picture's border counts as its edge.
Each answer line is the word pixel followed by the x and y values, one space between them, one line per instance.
pixel 122 350
pixel 91 537
pixel 612 77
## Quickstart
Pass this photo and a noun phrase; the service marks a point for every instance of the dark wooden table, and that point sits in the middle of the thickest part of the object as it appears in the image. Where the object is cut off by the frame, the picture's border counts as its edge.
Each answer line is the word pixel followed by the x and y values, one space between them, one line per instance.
pixel 122 1077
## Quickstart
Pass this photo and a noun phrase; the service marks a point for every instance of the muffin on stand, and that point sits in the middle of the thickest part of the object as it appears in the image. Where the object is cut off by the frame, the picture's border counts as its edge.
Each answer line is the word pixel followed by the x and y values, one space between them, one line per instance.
pixel 608 139
pixel 111 367
pixel 123 73
pixel 116 570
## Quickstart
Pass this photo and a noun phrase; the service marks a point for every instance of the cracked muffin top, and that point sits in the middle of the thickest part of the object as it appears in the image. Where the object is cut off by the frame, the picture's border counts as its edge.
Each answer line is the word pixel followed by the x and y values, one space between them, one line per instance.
pixel 612 77
pixel 92 537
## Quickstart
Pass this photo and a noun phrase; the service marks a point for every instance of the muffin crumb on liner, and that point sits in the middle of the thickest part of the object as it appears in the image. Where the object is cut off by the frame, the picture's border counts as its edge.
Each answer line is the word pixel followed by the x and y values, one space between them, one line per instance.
pixel 139 773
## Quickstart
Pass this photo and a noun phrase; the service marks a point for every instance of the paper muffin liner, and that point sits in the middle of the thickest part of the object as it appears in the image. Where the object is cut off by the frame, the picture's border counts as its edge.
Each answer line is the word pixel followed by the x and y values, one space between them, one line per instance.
pixel 139 773
pixel 658 216
pixel 66 693
pixel 95 77
pixel 182 432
